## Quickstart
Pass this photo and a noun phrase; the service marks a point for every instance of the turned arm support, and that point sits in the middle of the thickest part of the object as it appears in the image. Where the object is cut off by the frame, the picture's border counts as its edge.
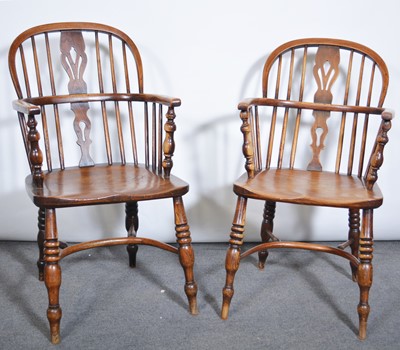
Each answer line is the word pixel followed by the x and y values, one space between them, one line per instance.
pixel 376 159
pixel 169 142
pixel 34 152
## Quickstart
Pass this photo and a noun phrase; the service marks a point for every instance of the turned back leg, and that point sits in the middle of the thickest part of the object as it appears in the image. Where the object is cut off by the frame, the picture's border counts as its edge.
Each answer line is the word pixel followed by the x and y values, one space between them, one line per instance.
pixel 40 243
pixel 132 226
pixel 267 228
pixel 354 237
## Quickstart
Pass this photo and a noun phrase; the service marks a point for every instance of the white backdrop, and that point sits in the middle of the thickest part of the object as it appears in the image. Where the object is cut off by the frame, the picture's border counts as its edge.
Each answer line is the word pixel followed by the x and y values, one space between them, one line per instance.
pixel 210 53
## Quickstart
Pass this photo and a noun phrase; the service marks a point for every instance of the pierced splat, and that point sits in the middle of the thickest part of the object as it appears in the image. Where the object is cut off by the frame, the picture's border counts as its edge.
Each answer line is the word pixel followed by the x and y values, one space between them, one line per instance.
pixel 75 65
pixel 325 71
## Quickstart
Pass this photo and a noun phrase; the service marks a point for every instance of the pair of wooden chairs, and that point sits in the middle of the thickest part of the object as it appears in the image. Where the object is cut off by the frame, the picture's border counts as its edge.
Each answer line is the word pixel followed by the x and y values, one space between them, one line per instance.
pixel 83 82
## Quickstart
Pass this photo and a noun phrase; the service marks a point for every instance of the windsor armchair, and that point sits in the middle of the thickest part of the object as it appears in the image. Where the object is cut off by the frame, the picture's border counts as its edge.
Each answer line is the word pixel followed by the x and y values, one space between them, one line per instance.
pixel 327 94
pixel 82 83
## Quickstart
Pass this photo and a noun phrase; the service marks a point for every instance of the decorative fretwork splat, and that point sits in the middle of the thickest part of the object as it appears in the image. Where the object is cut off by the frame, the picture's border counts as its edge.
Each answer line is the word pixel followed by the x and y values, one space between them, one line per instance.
pixel 75 65
pixel 325 71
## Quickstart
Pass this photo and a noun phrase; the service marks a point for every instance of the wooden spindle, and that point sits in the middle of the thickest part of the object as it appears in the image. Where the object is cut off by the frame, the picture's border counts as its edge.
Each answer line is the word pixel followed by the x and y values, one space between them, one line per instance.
pixel 146 134
pixel 258 139
pixel 153 136
pixel 116 104
pixel 160 136
pixel 339 152
pixel 366 122
pixel 353 140
pixel 25 131
pixel 25 72
pixel 126 68
pixel 133 133
pixel 55 107
pixel 253 137
pixel 271 138
pixel 298 115
pixel 103 105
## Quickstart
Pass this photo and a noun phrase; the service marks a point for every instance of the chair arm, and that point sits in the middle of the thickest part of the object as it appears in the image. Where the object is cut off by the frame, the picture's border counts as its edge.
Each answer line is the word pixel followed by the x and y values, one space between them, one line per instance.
pixel 22 106
pixel 95 97
pixel 161 99
pixel 248 103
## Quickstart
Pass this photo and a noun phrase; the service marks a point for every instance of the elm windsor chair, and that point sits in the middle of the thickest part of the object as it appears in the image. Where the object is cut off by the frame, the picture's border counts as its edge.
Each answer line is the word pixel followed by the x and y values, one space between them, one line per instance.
pixel 309 85
pixel 84 81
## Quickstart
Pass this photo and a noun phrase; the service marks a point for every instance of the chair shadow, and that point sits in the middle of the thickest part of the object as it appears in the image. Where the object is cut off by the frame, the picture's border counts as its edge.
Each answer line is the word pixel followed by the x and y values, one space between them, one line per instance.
pixel 315 283
pixel 13 289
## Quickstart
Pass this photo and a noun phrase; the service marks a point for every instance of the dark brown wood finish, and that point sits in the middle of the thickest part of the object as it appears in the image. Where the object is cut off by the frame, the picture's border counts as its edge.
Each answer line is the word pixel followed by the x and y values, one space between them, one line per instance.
pixel 315 137
pixel 83 83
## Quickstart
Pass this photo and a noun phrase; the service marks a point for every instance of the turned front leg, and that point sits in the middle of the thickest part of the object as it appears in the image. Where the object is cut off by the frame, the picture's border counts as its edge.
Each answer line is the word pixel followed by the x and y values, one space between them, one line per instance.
pixel 232 260
pixel 365 270
pixel 186 253
pixel 52 276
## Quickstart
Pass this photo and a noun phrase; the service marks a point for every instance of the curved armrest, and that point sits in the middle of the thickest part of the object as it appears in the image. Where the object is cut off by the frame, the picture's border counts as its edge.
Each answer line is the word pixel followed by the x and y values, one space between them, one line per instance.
pixel 248 103
pixel 22 106
pixel 75 98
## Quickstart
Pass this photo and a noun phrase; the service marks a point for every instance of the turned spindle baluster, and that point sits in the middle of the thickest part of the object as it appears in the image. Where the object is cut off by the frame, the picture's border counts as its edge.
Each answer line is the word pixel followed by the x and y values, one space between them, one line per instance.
pixel 248 150
pixel 35 154
pixel 377 156
pixel 169 143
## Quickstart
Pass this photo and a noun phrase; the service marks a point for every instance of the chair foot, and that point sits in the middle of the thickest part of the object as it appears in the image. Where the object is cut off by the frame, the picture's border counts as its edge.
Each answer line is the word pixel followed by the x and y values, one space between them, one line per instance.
pixel 54 313
pixel 231 265
pixel 354 274
pixel 55 339
pixel 132 251
pixel 362 335
pixel 262 258
pixel 227 294
pixel 191 293
pixel 40 265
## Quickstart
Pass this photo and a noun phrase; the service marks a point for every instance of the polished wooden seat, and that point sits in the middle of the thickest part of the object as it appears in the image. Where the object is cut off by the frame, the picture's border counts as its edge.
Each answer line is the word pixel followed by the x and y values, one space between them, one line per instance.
pixel 309 187
pixel 103 184
pixel 93 137
pixel 316 138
